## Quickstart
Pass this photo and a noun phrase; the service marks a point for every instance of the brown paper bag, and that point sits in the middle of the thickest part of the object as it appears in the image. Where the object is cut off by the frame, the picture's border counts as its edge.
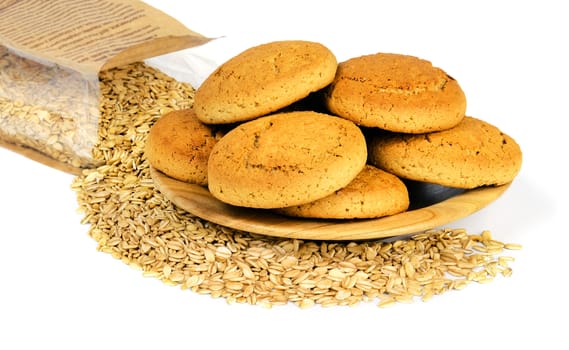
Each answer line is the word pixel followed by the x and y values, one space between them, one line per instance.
pixel 51 55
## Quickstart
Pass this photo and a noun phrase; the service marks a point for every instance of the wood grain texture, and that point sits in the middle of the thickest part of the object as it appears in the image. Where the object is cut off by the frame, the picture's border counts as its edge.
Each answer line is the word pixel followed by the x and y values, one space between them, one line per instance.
pixel 198 201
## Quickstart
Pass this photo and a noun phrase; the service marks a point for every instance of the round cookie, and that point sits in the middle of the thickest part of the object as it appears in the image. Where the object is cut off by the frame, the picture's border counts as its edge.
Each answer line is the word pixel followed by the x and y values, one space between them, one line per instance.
pixel 179 145
pixel 373 193
pixel 474 153
pixel 396 92
pixel 264 79
pixel 286 159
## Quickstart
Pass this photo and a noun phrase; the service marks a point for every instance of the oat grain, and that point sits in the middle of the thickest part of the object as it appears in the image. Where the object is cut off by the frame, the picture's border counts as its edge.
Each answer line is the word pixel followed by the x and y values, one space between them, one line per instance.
pixel 135 223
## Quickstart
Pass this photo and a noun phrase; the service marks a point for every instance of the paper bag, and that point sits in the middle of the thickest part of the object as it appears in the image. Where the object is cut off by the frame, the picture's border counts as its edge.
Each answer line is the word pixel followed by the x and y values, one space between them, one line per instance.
pixel 51 55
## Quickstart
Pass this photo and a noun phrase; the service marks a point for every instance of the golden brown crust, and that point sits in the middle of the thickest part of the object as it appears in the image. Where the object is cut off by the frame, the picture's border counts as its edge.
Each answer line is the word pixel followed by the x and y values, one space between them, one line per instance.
pixel 179 145
pixel 286 159
pixel 396 92
pixel 373 193
pixel 264 79
pixel 474 153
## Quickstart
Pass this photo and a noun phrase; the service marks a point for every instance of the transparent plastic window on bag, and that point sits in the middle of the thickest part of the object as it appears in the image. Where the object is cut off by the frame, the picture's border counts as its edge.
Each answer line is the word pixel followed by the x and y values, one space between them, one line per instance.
pixel 48 108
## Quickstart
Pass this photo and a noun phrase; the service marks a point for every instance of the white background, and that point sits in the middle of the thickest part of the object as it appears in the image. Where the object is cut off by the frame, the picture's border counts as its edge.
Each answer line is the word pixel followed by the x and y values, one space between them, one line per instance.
pixel 57 291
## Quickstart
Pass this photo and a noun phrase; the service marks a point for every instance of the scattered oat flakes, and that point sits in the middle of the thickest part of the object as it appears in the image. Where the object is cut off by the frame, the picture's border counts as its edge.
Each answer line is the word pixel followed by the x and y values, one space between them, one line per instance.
pixel 133 222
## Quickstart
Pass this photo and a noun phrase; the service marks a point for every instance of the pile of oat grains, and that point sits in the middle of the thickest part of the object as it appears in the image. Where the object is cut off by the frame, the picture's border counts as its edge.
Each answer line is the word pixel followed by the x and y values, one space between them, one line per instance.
pixel 135 223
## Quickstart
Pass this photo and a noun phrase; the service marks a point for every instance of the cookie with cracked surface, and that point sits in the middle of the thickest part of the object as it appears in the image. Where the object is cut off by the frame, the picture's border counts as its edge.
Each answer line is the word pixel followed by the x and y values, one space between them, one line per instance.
pixel 264 79
pixel 472 154
pixel 395 92
pixel 178 145
pixel 285 159
pixel 373 193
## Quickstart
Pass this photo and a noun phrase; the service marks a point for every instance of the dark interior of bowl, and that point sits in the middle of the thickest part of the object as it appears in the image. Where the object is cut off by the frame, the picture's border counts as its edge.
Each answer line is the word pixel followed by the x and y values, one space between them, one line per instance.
pixel 424 194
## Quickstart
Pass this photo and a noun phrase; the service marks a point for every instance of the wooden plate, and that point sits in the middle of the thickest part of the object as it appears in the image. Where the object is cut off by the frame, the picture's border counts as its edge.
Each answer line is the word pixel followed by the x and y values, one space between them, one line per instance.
pixel 198 201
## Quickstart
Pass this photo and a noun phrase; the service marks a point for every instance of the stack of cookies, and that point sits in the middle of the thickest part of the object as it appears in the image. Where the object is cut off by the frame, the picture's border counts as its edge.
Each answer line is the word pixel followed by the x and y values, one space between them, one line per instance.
pixel 283 126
